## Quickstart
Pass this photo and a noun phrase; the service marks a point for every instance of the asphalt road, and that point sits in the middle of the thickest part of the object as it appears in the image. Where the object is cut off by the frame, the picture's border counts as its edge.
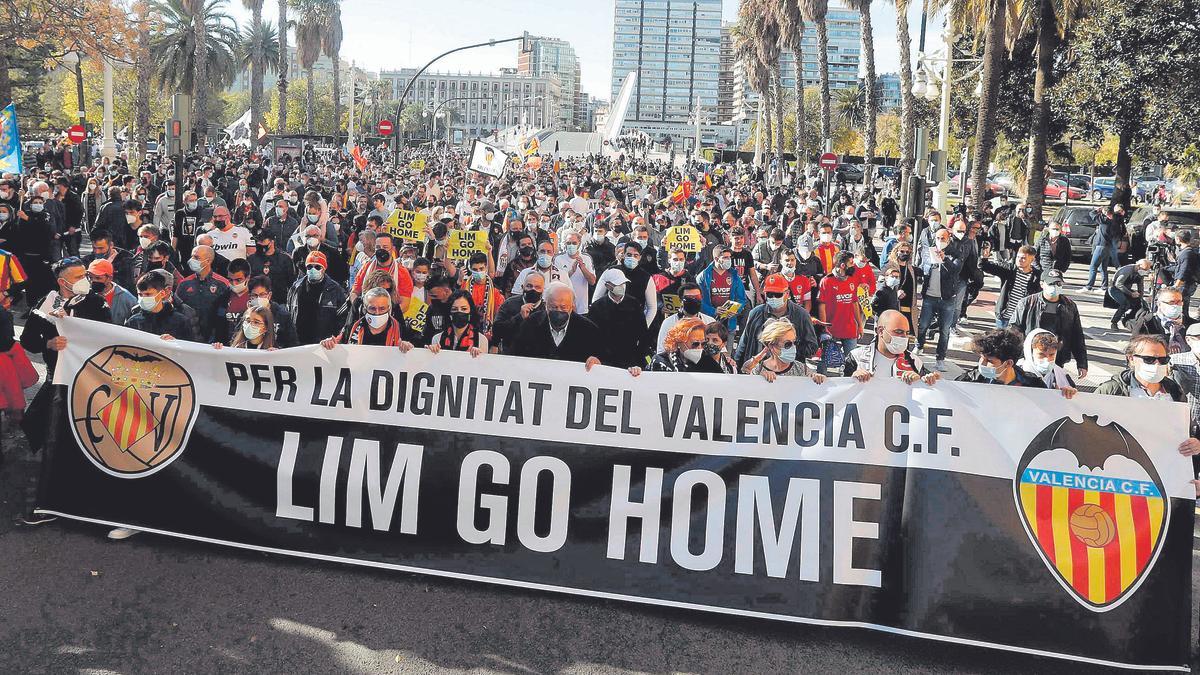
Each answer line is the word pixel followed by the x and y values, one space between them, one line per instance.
pixel 74 602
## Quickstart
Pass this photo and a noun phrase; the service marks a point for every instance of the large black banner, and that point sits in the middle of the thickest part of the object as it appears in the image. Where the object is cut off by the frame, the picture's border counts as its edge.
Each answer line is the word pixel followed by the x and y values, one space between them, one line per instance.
pixel 911 510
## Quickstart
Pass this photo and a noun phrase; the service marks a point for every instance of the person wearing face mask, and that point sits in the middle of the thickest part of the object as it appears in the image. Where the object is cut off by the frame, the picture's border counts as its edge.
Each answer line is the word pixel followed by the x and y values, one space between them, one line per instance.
pixel 578 265
pixel 205 291
pixel 1185 369
pixel 163 212
pixel 515 310
pixel 826 249
pixel 723 294
pixel 272 262
pixel 1052 310
pixel 1018 280
pixel 886 297
pixel 120 301
pixel 463 333
pixel 314 301
pixel 670 280
pixel 378 325
pixel 262 296
pixel 1053 250
pixel 838 306
pixel 1041 348
pixel 690 307
pixel 545 267
pixel 255 330
pixel 311 240
pixel 281 220
pixel 231 242
pixel 1166 319
pixel 156 313
pixel 600 248
pixel 234 304
pixel 780 354
pixel 778 305
pixel 684 350
pixel 478 282
pixel 889 354
pixel 619 319
pixel 998 351
pixel 32 241
pixel 420 276
pixel 941 269
pixel 559 334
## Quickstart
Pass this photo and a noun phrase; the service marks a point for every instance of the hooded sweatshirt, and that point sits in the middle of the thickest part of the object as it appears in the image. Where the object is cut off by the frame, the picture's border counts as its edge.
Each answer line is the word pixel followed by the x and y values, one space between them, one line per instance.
pixel 1056 378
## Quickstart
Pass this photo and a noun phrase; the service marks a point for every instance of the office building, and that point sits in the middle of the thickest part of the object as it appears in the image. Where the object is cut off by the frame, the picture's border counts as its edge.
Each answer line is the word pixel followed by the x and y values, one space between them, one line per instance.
pixel 725 77
pixel 544 56
pixel 674 46
pixel 887 91
pixel 484 102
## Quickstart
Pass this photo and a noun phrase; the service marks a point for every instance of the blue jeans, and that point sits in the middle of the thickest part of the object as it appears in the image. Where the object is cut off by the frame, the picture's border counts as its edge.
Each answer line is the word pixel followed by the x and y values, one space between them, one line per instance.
pixel 944 311
pixel 1001 323
pixel 1101 254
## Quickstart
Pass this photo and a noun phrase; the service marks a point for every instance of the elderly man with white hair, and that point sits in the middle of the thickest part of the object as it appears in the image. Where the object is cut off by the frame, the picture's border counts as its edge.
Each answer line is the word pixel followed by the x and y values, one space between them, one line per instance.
pixel 560 333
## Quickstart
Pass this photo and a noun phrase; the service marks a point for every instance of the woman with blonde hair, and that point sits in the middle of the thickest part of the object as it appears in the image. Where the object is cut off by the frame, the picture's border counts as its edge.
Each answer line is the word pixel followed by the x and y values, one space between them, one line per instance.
pixel 778 356
pixel 683 350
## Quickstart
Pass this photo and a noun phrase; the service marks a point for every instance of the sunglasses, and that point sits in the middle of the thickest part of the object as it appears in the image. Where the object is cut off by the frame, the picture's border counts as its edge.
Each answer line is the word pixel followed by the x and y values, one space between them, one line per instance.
pixel 787 344
pixel 313 267
pixel 774 295
pixel 1160 360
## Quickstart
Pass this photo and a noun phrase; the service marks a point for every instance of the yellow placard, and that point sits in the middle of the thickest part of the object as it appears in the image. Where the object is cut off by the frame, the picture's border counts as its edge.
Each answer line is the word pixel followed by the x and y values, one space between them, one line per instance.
pixel 463 243
pixel 417 165
pixel 407 225
pixel 618 175
pixel 649 179
pixel 416 314
pixel 682 238
pixel 719 171
pixel 729 310
pixel 671 303
pixel 864 301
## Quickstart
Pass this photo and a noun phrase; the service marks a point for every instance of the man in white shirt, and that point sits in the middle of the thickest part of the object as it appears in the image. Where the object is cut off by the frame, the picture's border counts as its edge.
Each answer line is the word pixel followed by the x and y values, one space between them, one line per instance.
pixel 581 272
pixel 232 242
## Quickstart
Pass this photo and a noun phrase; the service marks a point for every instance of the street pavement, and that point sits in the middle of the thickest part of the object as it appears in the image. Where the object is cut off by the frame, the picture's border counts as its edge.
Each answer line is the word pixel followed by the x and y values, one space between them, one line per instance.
pixel 75 602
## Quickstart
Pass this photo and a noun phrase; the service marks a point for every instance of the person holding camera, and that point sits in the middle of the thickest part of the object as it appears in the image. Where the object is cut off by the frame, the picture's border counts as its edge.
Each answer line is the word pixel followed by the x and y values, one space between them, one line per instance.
pixel 1110 229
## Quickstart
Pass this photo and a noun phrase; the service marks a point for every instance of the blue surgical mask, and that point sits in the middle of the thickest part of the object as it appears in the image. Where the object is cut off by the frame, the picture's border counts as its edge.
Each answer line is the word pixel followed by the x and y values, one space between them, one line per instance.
pixel 571 249
pixel 788 354
pixel 544 259
pixel 631 262
pixel 315 274
pixel 479 276
pixel 775 303
pixel 989 371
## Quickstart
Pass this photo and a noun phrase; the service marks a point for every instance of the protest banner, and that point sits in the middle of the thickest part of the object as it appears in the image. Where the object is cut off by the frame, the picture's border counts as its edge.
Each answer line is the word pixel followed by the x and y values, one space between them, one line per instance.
pixel 465 242
pixel 416 314
pixel 904 509
pixel 487 159
pixel 407 225
pixel 682 238
pixel 417 165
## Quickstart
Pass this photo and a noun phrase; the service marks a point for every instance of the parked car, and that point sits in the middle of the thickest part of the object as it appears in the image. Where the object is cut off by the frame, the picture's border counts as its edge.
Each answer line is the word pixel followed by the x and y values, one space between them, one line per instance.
pixel 849 173
pixel 1102 188
pixel 1057 189
pixel 1182 217
pixel 887 171
pixel 1076 180
pixel 1004 179
pixel 1077 227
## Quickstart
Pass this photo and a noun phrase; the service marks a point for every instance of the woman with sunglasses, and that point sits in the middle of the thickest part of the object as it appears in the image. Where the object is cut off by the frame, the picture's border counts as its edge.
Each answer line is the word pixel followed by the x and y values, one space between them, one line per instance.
pixel 683 350
pixel 779 356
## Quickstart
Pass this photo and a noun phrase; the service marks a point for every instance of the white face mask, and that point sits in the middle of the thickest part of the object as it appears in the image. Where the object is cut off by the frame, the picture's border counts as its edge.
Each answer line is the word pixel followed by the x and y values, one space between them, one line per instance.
pixel 261 303
pixel 252 331
pixel 147 303
pixel 896 344
pixel 377 320
pixel 693 355
pixel 826 237
pixel 239 288
pixel 892 282
pixel 81 287
pixel 942 244
pixel 1042 366
pixel 1151 372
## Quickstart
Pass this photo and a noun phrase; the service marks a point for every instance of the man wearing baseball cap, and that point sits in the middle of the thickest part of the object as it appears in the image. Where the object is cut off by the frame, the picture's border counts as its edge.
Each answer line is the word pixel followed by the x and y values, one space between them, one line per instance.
pixel 314 300
pixel 119 300
pixel 778 305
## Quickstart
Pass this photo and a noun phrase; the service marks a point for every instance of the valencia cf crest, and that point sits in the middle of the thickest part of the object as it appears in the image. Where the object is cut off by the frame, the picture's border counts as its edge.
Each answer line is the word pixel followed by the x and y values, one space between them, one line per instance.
pixel 1094 507
pixel 132 410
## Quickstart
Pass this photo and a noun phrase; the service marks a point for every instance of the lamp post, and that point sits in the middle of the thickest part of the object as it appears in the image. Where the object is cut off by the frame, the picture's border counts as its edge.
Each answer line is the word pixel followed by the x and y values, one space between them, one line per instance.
pixel 931 86
pixel 108 148
pixel 408 87
pixel 1071 152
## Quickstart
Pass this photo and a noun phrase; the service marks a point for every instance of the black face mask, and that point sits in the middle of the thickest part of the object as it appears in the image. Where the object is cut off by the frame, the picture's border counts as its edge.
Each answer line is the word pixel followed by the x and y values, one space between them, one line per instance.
pixel 515 234
pixel 460 319
pixel 558 318
pixel 526 251
pixel 382 256
pixel 903 257
pixel 691 306
pixel 97 288
pixel 532 296
pixel 154 266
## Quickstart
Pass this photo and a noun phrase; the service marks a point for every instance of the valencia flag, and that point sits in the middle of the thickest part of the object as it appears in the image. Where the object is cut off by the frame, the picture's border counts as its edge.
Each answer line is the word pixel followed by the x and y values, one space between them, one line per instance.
pixel 682 192
pixel 707 180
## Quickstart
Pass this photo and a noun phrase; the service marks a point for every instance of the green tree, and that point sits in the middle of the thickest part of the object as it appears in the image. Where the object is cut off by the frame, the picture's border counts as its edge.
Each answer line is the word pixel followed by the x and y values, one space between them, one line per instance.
pixel 311 24
pixel 282 68
pixel 331 44
pixel 791 20
pixel 1134 74
pixel 815 12
pixel 172 48
pixel 907 100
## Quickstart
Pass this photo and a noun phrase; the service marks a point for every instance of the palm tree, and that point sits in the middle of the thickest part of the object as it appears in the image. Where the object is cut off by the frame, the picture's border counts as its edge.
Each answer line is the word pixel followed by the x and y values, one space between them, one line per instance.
pixel 282 69
pixel 906 100
pixel 871 97
pixel 196 8
pixel 257 52
pixel 989 19
pixel 791 20
pixel 173 49
pixel 756 43
pixel 310 26
pixel 331 43
pixel 141 93
pixel 256 65
pixel 815 12
pixel 768 46
pixel 850 106
pixel 745 35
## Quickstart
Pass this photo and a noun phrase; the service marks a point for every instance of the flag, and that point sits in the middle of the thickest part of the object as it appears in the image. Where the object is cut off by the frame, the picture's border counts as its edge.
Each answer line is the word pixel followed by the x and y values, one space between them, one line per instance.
pixel 532 146
pixel 359 160
pixel 682 192
pixel 10 141
pixel 707 181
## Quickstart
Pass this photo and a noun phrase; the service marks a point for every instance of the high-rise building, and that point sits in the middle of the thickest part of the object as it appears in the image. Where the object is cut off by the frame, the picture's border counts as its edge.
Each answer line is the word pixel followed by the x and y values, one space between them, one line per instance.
pixel 887 91
pixel 483 102
pixel 844 26
pixel 543 56
pixel 675 48
pixel 725 78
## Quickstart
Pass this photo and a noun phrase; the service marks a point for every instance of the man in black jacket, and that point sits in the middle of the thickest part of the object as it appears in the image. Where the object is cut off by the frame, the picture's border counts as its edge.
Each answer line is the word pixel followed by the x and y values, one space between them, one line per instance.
pixel 1053 311
pixel 998 352
pixel 622 321
pixel 1053 250
pixel 1186 272
pixel 1127 291
pixel 1166 319
pixel 1018 280
pixel 314 301
pixel 515 310
pixel 156 314
pixel 559 334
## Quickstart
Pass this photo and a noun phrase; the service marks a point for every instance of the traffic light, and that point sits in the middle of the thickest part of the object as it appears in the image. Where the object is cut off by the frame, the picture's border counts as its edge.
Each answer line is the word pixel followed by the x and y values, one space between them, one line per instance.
pixel 174 136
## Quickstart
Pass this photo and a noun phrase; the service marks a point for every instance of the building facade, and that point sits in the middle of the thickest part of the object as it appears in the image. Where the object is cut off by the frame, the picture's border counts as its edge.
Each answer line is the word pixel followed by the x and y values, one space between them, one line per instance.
pixel 845 52
pixel 485 102
pixel 725 77
pixel 675 47
pixel 887 91
pixel 544 56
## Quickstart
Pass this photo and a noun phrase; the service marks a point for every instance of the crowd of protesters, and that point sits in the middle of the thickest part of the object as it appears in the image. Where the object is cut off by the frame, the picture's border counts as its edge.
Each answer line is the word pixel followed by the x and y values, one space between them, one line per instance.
pixel 597 260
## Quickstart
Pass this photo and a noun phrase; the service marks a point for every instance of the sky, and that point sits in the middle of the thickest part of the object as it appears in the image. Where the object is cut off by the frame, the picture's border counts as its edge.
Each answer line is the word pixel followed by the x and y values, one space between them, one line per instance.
pixel 388 35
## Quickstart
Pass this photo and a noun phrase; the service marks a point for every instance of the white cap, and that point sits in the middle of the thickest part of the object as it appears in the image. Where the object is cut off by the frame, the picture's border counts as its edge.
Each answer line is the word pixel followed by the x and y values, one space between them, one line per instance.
pixel 612 276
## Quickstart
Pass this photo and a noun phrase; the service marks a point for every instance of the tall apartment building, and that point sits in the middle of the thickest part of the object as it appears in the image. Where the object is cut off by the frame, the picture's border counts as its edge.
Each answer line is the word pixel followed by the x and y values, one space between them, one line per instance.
pixel 675 47
pixel 845 52
pixel 543 56
pixel 887 90
pixel 485 102
pixel 725 77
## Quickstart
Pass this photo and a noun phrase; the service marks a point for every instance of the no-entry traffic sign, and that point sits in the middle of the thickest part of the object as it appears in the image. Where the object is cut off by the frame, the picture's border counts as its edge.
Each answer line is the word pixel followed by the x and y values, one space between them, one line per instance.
pixel 77 134
pixel 385 127
pixel 828 161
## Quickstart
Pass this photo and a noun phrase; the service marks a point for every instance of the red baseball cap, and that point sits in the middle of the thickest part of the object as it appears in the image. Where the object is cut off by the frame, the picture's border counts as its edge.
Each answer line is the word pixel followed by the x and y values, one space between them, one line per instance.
pixel 316 258
pixel 775 284
pixel 101 266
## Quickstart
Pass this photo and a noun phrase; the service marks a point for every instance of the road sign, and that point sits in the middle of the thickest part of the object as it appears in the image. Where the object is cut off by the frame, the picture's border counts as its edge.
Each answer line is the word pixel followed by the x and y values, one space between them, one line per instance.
pixel 828 161
pixel 77 134
pixel 385 127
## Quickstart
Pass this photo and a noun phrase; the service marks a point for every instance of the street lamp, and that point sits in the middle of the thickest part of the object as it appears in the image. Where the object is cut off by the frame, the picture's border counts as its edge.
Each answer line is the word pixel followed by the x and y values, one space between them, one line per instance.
pixel 932 86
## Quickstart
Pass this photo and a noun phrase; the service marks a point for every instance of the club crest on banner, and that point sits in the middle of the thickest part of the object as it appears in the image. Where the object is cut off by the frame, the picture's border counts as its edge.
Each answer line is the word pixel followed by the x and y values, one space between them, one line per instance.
pixel 132 410
pixel 1094 507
